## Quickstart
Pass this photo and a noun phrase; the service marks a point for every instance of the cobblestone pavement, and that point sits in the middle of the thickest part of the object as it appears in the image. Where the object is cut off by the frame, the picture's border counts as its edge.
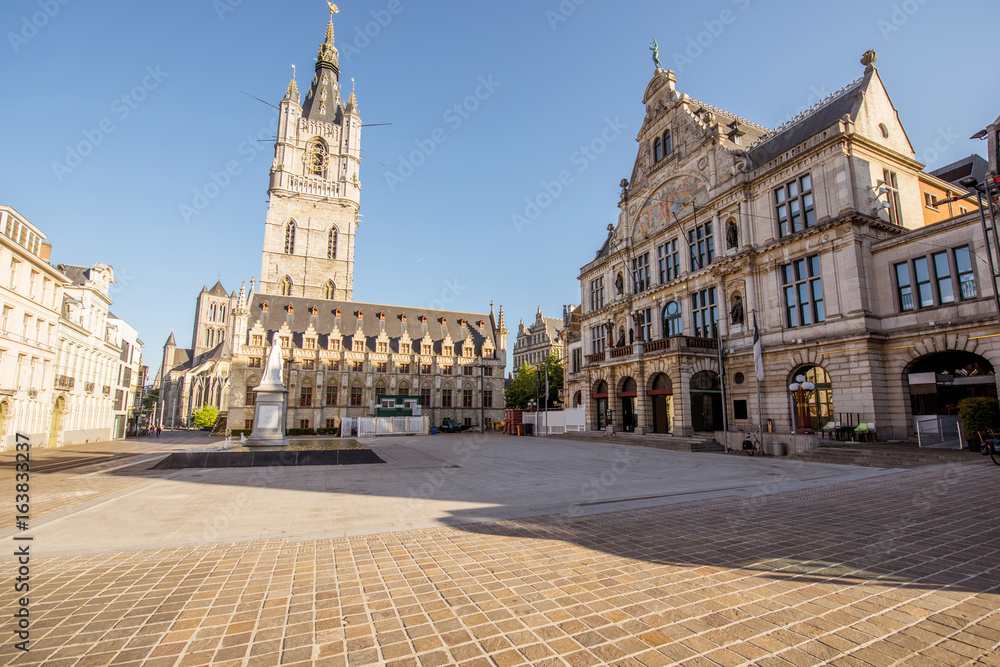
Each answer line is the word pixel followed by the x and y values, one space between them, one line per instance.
pixel 899 569
pixel 74 474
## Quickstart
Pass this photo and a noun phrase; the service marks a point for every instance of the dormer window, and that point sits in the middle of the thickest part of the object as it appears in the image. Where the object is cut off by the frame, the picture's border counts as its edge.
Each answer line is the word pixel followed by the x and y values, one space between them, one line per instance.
pixel 448 350
pixel 359 345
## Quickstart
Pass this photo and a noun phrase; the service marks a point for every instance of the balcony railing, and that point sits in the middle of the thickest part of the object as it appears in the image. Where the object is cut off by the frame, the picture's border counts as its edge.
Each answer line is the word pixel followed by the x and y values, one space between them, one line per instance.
pixel 654 347
pixel 619 352
pixel 657 345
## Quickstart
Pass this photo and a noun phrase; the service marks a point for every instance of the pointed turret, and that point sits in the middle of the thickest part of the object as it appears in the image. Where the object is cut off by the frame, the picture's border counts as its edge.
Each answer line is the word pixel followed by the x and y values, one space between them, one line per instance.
pixel 292 94
pixel 170 341
pixel 241 300
pixel 323 98
pixel 352 102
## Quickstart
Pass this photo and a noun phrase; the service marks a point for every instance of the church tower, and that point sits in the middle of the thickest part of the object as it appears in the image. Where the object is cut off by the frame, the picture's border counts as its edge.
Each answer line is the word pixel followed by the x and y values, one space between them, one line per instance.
pixel 314 192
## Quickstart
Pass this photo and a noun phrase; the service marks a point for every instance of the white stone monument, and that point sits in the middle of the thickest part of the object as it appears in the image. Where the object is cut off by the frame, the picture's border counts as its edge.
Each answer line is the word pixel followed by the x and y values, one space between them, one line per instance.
pixel 272 403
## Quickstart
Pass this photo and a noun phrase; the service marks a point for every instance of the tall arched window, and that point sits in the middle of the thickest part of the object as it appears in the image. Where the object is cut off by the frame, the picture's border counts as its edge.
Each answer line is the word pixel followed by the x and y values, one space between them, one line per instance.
pixel 286 286
pixel 290 238
pixel 672 325
pixel 657 150
pixel 668 144
pixel 331 244
pixel 329 289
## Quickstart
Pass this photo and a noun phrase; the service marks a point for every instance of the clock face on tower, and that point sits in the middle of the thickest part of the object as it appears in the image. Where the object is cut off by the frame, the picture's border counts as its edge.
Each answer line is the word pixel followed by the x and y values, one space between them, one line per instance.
pixel 317 159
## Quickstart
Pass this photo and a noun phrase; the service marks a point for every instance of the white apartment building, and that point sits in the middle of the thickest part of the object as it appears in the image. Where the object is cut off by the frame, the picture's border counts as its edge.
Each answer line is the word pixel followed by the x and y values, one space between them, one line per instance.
pixel 127 377
pixel 88 358
pixel 31 293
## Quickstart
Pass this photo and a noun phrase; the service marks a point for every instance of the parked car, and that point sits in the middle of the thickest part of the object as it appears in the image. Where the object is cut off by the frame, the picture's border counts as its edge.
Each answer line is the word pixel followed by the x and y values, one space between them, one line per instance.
pixel 450 426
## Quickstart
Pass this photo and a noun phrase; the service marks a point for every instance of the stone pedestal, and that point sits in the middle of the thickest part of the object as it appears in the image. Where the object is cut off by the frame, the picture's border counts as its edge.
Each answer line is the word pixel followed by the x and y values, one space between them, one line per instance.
pixel 269 419
pixel 272 404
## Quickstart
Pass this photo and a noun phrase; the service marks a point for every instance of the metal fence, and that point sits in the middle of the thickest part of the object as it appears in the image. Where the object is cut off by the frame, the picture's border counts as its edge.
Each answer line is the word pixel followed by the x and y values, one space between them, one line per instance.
pixel 938 431
pixel 369 427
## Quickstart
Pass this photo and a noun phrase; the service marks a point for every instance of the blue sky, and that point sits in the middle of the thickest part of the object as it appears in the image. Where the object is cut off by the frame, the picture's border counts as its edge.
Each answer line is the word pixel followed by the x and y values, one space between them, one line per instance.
pixel 120 118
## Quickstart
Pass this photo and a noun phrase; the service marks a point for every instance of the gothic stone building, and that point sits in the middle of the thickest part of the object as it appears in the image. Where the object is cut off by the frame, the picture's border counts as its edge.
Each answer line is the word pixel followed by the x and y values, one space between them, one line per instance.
pixel 816 232
pixel 340 355
pixel 535 343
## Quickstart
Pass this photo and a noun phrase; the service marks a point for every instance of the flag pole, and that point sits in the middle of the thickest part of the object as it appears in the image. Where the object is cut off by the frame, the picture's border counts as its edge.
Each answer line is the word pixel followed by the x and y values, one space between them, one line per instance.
pixel 758 364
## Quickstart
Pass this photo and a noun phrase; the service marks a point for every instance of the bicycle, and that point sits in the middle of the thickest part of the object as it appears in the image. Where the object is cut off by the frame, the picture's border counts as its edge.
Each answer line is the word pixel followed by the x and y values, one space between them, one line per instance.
pixel 990 446
pixel 751 443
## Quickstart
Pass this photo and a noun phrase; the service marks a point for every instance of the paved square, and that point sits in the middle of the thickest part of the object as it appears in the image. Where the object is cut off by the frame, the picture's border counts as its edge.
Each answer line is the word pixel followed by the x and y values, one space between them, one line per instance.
pixel 802 567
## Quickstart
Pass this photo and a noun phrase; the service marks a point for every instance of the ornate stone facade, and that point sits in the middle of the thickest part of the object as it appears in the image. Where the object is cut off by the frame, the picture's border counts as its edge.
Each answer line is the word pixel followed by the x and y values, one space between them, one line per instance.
pixel 815 232
pixel 315 191
pixel 538 341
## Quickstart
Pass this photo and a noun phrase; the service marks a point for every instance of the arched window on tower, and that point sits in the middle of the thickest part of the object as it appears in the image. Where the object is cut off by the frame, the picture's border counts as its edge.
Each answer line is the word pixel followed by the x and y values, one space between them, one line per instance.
pixel 329 289
pixel 290 238
pixel 331 244
pixel 286 286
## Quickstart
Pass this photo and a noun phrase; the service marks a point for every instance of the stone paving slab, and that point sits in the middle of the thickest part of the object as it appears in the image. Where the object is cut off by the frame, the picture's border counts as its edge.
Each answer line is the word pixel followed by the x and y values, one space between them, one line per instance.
pixel 902 569
pixel 429 481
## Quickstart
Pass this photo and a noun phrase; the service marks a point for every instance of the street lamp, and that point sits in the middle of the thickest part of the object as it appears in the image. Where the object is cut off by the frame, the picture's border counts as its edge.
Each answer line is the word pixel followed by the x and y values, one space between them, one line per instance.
pixel 799 389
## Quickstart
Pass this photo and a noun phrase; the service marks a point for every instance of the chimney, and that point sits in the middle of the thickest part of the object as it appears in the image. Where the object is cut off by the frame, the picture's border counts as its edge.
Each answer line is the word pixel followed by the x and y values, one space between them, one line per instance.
pixel 45 251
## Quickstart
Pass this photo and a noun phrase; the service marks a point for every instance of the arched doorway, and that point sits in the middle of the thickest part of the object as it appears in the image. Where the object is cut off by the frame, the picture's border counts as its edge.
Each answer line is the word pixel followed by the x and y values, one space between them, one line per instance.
pixel 937 383
pixel 819 401
pixel 706 401
pixel 57 411
pixel 627 396
pixel 577 399
pixel 660 394
pixel 601 405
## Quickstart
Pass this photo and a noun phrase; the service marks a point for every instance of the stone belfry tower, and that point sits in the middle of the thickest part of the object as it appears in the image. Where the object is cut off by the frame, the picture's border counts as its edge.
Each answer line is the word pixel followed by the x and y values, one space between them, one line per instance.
pixel 314 193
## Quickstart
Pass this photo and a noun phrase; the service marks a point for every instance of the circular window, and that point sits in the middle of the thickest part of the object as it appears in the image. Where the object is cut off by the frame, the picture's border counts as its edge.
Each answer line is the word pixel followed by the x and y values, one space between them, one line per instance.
pixel 739 378
pixel 884 129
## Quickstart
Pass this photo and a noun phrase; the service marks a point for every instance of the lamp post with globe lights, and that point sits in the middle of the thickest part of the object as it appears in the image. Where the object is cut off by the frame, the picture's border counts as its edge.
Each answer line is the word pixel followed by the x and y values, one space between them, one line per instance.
pixel 799 389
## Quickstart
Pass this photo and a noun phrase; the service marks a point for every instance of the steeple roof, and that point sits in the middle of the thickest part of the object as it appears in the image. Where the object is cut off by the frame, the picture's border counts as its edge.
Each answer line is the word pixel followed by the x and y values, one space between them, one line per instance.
pixel 218 290
pixel 171 341
pixel 323 99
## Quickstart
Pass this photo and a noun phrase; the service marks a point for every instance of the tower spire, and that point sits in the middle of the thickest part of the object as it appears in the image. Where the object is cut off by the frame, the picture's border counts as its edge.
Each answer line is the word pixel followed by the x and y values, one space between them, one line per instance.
pixel 323 99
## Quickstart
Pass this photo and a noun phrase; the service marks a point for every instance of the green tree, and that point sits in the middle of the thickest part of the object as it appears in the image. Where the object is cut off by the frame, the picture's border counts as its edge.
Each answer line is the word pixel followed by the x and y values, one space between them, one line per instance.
pixel 978 413
pixel 529 385
pixel 205 417
pixel 522 389
pixel 150 399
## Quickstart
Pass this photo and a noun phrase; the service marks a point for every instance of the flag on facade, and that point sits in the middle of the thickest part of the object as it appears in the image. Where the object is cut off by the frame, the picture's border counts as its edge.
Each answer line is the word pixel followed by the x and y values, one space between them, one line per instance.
pixel 758 353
